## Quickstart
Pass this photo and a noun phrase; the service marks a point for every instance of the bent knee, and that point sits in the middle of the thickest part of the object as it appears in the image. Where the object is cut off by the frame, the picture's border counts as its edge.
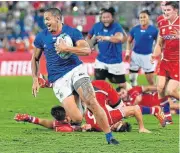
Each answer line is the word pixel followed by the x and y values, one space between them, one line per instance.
pixel 171 91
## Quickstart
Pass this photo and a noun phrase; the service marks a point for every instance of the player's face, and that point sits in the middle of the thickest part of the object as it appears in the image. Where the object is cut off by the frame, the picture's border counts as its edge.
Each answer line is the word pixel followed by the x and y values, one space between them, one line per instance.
pixel 170 12
pixel 163 6
pixel 144 19
pixel 123 93
pixel 106 19
pixel 51 22
pixel 67 119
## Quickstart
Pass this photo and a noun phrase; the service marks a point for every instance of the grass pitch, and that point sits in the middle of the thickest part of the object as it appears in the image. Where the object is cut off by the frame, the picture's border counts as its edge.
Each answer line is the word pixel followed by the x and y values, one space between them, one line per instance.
pixel 16 97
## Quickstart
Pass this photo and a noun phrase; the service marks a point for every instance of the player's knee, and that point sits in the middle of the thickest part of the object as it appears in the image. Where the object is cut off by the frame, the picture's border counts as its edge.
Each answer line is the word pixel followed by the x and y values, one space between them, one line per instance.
pixel 171 91
pixel 92 105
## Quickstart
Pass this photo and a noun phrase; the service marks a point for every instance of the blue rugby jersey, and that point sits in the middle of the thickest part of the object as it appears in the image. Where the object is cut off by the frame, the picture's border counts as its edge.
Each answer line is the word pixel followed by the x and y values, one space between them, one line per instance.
pixel 110 53
pixel 56 66
pixel 143 39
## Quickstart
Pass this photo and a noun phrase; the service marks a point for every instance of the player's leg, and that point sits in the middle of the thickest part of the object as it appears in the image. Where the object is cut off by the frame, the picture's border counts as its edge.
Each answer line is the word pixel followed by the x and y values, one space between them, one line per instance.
pixel 100 72
pixel 34 120
pixel 161 83
pixel 136 112
pixel 133 75
pixel 172 89
pixel 84 88
pixel 156 111
pixel 72 109
pixel 116 74
pixel 134 68
pixel 150 77
pixel 148 68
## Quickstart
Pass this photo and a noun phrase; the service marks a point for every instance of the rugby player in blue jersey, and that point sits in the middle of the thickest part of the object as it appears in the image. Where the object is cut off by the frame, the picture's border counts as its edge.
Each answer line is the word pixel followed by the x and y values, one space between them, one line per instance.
pixel 67 75
pixel 109 36
pixel 142 36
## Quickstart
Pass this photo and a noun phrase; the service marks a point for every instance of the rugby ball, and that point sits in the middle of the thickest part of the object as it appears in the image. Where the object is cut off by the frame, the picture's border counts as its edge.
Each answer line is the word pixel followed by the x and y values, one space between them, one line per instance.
pixel 68 41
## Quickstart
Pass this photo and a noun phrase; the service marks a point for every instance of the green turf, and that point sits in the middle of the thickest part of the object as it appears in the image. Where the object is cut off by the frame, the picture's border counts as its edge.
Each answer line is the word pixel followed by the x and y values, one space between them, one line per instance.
pixel 15 96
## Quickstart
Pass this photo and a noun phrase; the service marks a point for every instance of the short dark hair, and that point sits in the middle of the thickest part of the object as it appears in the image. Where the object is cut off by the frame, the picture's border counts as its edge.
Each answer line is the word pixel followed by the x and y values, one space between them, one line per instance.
pixel 146 12
pixel 118 89
pixel 109 10
pixel 54 12
pixel 173 4
pixel 58 112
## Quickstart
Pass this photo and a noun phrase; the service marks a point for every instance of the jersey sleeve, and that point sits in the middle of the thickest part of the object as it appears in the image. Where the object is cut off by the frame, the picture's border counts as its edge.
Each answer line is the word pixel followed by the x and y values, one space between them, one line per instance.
pixel 131 33
pixel 38 43
pixel 155 34
pixel 91 32
pixel 119 28
pixel 77 35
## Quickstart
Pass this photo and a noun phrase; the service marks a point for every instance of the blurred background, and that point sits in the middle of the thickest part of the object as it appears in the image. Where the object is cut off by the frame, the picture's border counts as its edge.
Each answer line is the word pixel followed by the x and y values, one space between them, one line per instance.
pixel 20 21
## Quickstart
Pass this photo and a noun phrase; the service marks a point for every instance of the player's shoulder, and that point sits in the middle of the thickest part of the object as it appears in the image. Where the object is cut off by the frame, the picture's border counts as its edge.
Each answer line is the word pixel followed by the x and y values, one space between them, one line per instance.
pixel 152 27
pixel 160 18
pixel 116 25
pixel 136 27
pixel 43 32
pixel 135 88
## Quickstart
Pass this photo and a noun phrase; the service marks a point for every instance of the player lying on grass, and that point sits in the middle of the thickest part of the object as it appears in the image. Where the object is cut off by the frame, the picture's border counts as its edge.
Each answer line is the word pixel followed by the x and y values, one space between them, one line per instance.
pixel 62 123
pixel 146 96
pixel 109 89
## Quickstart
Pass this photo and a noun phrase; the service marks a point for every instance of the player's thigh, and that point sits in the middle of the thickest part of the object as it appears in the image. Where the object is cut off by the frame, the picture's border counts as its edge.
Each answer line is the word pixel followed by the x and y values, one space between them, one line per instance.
pixel 173 85
pixel 146 65
pixel 135 61
pixel 100 74
pixel 72 109
pixel 117 78
pixel 63 87
pixel 116 72
pixel 82 85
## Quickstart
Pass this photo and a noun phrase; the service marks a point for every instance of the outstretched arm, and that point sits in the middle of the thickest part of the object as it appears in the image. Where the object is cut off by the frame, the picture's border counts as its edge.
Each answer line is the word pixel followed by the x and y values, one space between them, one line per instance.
pixel 35 68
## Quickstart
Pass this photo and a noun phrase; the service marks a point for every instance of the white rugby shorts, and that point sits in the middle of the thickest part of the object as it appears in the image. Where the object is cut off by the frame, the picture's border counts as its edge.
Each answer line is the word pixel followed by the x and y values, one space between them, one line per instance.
pixel 141 61
pixel 116 69
pixel 64 86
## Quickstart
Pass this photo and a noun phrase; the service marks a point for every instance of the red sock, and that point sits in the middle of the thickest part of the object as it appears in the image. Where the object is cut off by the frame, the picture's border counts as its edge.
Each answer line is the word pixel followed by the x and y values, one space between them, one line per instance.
pixel 34 120
pixel 156 110
pixel 116 115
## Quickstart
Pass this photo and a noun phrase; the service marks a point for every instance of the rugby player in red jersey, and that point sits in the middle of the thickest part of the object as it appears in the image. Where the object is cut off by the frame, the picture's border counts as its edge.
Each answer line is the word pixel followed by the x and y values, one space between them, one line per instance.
pixel 168 43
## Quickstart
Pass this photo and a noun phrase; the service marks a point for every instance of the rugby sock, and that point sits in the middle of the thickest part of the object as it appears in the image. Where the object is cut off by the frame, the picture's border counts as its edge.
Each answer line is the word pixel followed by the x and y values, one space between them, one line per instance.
pixel 177 111
pixel 146 110
pixel 133 78
pixel 34 120
pixel 166 109
pixel 109 136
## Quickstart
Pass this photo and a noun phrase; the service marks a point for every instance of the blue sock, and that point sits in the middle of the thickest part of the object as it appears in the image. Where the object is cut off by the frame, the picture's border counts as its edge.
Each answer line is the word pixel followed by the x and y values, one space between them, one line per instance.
pixel 145 110
pixel 177 111
pixel 166 108
pixel 109 136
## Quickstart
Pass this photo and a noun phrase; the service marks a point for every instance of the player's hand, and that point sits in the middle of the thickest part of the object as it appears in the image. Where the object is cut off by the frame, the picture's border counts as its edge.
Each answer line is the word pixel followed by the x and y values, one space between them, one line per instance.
pixel 61 47
pixel 86 127
pixel 35 87
pixel 99 38
pixel 127 56
pixel 152 59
